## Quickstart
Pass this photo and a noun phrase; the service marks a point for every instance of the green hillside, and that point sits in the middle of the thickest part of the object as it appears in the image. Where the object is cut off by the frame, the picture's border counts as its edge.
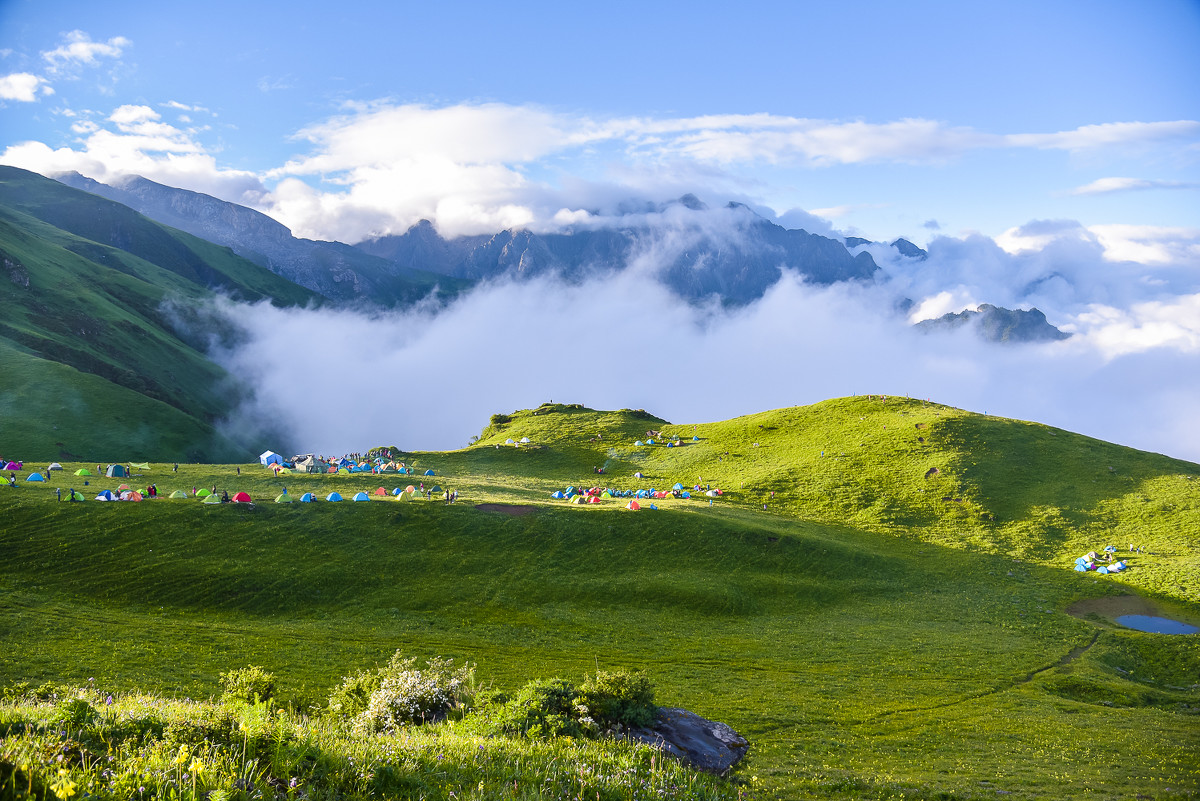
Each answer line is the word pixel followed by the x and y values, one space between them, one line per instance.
pixel 110 308
pixel 874 632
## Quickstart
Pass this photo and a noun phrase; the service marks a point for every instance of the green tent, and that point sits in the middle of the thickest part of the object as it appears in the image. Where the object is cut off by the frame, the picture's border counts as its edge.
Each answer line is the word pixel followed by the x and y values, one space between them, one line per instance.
pixel 202 493
pixel 211 498
pixel 178 494
pixel 83 471
pixel 284 498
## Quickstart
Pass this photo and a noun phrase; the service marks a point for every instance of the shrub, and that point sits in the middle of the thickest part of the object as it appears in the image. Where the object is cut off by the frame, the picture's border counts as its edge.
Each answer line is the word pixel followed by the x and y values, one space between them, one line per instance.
pixel 251 684
pixel 352 696
pixel 407 694
pixel 623 697
pixel 544 708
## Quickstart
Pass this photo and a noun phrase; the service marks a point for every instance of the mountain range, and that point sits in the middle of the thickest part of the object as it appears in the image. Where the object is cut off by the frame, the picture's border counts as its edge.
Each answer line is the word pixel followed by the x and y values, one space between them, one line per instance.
pixel 108 321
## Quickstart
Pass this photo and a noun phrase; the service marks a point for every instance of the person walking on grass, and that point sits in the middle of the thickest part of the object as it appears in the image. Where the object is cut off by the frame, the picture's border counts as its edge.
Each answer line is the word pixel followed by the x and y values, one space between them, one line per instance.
pixel 58 493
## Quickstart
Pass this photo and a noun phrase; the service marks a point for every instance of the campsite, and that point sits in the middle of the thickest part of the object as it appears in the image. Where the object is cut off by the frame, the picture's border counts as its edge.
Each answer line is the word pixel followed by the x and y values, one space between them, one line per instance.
pixel 874 629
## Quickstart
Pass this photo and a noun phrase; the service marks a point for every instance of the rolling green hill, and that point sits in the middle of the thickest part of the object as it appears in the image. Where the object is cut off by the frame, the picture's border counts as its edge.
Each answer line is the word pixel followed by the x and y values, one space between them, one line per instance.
pixel 96 288
pixel 877 631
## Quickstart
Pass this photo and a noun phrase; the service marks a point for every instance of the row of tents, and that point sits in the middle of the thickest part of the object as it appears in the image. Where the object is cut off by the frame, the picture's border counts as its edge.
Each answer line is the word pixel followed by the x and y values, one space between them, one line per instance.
pixel 124 493
pixel 596 494
pixel 311 464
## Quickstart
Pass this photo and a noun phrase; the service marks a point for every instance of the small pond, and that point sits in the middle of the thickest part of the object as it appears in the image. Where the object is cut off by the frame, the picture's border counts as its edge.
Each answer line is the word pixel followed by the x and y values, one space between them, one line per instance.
pixel 1158 625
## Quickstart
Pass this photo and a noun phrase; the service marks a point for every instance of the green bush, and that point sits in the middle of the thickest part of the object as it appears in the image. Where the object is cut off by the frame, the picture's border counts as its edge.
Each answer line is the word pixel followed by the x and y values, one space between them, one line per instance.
pixel 622 697
pixel 408 695
pixel 250 684
pixel 544 708
pixel 353 695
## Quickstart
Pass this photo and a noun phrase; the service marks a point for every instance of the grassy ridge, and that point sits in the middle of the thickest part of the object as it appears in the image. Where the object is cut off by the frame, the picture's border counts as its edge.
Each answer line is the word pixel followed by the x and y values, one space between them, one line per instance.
pixel 864 656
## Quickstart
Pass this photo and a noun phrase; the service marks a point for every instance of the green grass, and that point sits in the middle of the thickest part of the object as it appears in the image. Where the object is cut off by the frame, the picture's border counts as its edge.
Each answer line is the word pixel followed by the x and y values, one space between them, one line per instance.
pixel 869 637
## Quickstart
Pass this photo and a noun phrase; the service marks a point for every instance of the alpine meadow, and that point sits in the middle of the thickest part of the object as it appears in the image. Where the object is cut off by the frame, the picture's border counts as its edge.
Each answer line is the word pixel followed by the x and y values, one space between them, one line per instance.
pixel 661 401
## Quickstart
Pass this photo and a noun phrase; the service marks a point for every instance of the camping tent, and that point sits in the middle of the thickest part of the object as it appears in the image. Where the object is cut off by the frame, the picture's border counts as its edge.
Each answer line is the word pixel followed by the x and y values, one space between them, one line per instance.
pixel 241 497
pixel 124 487
pixel 524 440
pixel 178 494
pixel 13 466
pixel 410 489
pixel 677 486
pixel 333 496
pixel 307 498
pixel 578 499
pixel 83 471
pixel 99 498
pixel 510 441
pixel 429 472
pixel 131 495
pixel 397 491
pixel 105 495
pixel 116 471
pixel 361 496
pixel 75 496
pixel 712 493
pixel 284 498
pixel 695 439
pixel 634 505
pixel 140 465
pixel 54 466
pixel 638 475
pixel 34 477
pixel 593 499
pixel 268 458
pixel 380 491
pixel 211 498
pixel 558 494
pixel 638 443
pixel 685 495
pixel 202 492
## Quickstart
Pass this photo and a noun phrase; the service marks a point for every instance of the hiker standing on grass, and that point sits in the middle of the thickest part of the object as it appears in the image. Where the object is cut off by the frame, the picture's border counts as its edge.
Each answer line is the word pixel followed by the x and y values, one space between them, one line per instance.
pixel 58 493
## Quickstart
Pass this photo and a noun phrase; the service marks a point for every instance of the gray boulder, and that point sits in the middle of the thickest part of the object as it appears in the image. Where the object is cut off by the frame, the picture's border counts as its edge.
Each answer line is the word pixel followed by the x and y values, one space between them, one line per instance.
pixel 704 744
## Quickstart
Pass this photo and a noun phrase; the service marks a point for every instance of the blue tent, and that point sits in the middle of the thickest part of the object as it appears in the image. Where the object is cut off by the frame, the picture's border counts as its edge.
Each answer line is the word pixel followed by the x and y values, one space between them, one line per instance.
pixel 362 496
pixel 670 444
pixel 685 495
pixel 558 494
pixel 1079 568
pixel 307 498
pixel 638 444
pixel 429 472
pixel 105 494
pixel 397 491
pixel 35 477
pixel 677 486
pixel 695 439
pixel 333 496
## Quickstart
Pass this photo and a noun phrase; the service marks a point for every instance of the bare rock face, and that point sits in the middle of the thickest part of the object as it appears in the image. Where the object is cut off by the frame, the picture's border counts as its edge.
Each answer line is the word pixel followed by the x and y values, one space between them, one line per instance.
pixel 706 745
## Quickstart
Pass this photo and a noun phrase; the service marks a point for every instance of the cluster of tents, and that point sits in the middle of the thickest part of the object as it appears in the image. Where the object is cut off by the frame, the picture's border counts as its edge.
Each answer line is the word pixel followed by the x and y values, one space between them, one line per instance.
pixel 1092 561
pixel 672 441
pixel 311 464
pixel 598 494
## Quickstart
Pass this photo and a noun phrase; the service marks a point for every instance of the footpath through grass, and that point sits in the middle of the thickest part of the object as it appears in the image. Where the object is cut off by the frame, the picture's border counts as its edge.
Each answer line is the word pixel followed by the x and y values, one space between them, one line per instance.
pixel 871 638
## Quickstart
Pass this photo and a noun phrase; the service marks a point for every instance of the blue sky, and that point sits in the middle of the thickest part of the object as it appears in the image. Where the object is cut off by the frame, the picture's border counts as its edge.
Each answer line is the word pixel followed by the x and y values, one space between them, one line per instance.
pixel 1046 153
pixel 885 119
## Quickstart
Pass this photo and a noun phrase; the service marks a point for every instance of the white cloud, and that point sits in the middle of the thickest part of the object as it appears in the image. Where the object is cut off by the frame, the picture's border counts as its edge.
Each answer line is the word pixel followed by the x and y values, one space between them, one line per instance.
pixel 1104 186
pixel 1149 244
pixel 797 345
pixel 1109 134
pixel 79 49
pixel 23 87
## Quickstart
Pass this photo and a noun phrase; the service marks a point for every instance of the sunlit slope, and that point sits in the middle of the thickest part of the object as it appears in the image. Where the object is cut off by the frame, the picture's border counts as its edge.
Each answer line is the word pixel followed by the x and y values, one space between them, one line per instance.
pixel 900 466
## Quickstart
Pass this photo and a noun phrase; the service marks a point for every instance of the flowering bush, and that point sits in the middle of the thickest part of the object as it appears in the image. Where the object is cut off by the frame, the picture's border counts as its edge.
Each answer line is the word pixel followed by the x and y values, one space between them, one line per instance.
pixel 408 694
pixel 251 684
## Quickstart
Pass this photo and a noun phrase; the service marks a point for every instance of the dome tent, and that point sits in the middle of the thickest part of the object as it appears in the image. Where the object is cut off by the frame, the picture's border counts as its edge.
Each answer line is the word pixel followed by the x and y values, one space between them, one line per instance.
pixel 178 494
pixel 241 497
pixel 284 498
pixel 307 498
pixel 333 496
pixel 34 477
pixel 83 471
pixel 212 499
pixel 361 496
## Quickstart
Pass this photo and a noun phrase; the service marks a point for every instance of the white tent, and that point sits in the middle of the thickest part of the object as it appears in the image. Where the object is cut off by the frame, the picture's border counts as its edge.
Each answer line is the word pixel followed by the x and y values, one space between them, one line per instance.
pixel 267 458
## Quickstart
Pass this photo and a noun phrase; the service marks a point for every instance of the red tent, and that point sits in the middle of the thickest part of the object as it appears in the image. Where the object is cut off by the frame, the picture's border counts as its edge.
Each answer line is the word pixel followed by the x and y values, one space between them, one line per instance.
pixel 381 491
pixel 241 497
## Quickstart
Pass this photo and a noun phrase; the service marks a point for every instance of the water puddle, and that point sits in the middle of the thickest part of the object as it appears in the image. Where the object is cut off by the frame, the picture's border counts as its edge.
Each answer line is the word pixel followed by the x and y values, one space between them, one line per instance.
pixel 1157 625
pixel 1133 612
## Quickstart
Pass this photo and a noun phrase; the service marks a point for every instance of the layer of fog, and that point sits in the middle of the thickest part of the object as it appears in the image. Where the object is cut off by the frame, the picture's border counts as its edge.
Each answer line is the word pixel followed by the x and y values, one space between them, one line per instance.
pixel 428 379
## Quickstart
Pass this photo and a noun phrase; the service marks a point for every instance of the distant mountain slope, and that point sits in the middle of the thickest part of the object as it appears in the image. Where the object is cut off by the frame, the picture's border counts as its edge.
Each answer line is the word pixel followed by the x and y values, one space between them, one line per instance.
pixel 998 324
pixel 331 269
pixel 97 288
pixel 732 253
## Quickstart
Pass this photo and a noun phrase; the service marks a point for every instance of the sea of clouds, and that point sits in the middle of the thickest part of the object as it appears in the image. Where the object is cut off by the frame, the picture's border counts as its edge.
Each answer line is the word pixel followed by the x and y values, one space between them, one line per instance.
pixel 428 378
